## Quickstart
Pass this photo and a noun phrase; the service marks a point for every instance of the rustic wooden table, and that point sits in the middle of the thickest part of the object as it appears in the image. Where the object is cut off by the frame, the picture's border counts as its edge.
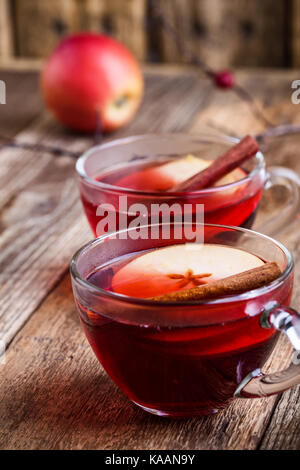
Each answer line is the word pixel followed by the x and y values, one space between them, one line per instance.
pixel 53 392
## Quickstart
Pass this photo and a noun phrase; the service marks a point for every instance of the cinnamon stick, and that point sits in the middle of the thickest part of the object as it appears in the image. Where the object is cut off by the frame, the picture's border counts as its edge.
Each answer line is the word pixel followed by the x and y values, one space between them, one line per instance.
pixel 236 284
pixel 224 164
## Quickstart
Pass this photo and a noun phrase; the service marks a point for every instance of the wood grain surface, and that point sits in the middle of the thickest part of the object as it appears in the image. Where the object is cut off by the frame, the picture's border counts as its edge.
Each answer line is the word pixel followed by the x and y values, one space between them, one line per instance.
pixel 294 15
pixel 225 33
pixel 6 30
pixel 55 19
pixel 231 32
pixel 53 392
pixel 23 102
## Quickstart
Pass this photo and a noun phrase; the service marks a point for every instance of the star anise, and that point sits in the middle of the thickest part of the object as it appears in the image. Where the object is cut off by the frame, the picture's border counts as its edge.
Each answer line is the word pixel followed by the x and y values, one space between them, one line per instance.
pixel 189 277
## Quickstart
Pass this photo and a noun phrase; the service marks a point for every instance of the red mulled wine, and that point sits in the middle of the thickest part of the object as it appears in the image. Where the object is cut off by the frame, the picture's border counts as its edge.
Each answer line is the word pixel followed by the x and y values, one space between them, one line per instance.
pixel 178 370
pixel 148 182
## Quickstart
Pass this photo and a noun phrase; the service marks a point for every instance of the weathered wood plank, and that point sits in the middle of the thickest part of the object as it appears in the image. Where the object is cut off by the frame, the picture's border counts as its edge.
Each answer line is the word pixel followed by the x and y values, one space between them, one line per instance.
pixel 55 19
pixel 23 102
pixel 253 32
pixel 284 430
pixel 19 64
pixel 89 14
pixel 52 20
pixel 128 23
pixel 235 32
pixel 179 14
pixel 271 91
pixel 123 20
pixel 6 34
pixel 294 22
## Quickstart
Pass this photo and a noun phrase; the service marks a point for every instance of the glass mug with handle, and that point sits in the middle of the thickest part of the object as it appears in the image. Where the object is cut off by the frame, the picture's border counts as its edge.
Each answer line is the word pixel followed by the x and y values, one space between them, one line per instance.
pixel 185 358
pixel 119 175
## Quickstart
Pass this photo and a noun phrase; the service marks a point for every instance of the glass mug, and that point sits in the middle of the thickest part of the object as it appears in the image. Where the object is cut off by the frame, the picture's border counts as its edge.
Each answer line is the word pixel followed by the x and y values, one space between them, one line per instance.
pixel 187 358
pixel 232 204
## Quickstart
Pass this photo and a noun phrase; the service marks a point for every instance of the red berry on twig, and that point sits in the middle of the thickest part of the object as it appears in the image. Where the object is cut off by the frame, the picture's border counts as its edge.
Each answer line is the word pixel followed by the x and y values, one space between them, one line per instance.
pixel 224 79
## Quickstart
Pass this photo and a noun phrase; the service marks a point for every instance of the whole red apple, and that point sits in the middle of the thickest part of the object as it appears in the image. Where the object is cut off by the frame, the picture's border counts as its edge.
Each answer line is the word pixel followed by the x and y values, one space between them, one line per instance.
pixel 89 77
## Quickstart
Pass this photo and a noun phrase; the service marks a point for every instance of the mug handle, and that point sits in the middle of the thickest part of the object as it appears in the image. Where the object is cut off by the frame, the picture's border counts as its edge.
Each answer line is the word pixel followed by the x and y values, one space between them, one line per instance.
pixel 281 176
pixel 257 384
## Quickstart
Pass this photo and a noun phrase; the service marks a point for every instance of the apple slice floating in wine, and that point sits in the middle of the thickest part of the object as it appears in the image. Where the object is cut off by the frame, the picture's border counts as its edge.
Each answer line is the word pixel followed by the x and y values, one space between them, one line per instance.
pixel 164 177
pixel 180 267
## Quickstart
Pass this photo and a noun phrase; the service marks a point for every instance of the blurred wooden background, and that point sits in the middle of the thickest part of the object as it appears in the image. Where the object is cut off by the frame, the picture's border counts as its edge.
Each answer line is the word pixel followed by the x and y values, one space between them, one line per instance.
pixel 224 33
